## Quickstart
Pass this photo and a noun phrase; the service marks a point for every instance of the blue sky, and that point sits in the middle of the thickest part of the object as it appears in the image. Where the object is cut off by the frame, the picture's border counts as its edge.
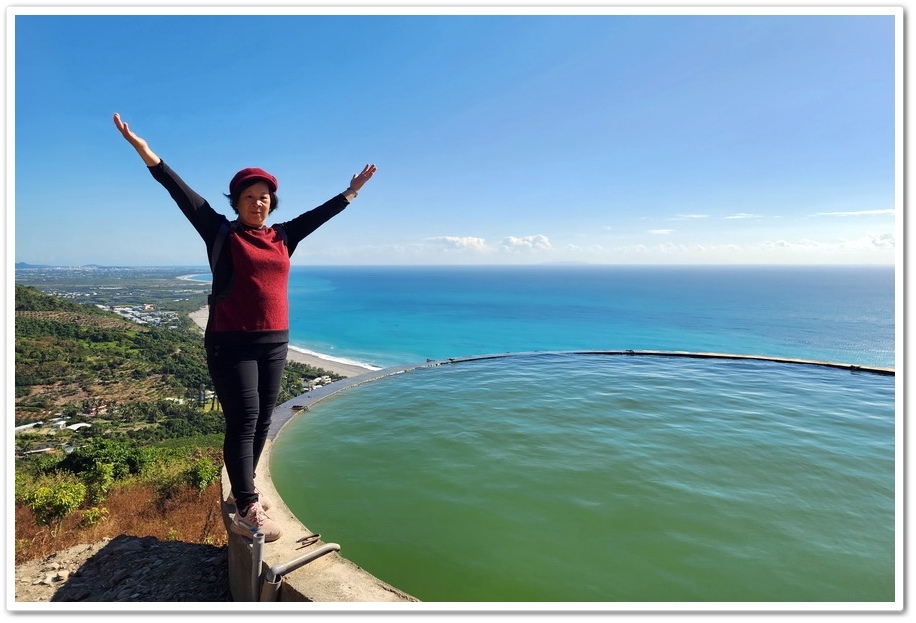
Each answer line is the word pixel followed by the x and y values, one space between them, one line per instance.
pixel 499 139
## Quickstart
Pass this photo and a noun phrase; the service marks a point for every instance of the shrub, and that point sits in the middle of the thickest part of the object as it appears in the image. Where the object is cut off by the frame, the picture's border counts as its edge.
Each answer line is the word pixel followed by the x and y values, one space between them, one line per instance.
pixel 47 463
pixel 93 516
pixel 27 481
pixel 50 504
pixel 202 473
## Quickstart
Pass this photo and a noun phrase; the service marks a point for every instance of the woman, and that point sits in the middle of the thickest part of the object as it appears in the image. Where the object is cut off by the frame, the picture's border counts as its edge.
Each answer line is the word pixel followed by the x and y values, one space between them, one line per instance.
pixel 248 326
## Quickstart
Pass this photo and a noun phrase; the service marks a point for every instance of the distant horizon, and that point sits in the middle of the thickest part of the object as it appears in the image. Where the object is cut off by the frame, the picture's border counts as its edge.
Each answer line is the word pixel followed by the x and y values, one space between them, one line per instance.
pixel 206 268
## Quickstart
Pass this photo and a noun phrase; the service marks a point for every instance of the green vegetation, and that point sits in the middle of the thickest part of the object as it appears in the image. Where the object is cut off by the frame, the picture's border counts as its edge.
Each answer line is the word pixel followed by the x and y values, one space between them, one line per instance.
pixel 50 504
pixel 151 383
pixel 117 404
pixel 79 360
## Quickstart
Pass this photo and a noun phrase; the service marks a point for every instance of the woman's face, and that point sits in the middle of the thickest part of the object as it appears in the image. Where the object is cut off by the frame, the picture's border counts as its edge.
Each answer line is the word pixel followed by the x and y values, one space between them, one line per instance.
pixel 254 204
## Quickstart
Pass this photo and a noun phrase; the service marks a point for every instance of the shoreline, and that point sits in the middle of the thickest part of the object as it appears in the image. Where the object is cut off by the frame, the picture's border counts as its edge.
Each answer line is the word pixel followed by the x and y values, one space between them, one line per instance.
pixel 344 369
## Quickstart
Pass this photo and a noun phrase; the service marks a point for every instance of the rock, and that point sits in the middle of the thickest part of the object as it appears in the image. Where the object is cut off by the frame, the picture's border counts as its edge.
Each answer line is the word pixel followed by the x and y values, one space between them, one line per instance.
pixel 127 568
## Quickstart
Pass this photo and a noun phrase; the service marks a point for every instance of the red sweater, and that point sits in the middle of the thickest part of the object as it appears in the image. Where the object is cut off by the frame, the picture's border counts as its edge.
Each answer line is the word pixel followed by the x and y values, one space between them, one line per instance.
pixel 258 298
pixel 249 302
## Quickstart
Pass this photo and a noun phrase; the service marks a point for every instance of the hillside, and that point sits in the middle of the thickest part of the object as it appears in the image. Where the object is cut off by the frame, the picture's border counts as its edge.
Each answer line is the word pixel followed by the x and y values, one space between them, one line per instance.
pixel 74 359
pixel 131 435
pixel 80 361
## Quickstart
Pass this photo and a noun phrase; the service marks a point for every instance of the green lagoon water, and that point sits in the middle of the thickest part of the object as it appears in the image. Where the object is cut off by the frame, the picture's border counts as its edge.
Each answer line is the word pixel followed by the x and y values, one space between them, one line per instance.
pixel 596 478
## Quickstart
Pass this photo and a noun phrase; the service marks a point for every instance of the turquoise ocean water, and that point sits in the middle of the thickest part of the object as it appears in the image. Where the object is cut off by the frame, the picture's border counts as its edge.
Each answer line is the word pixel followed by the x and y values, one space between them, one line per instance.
pixel 391 316
pixel 554 477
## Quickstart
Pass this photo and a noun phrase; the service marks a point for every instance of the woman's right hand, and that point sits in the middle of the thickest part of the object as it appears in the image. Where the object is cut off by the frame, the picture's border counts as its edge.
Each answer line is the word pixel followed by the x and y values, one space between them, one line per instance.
pixel 150 158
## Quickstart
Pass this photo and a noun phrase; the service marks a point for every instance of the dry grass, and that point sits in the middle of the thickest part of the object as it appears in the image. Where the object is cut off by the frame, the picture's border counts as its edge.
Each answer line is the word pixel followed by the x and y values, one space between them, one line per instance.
pixel 189 516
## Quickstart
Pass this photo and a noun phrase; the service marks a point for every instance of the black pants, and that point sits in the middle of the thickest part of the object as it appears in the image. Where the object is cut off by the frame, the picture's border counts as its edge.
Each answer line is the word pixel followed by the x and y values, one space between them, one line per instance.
pixel 247 383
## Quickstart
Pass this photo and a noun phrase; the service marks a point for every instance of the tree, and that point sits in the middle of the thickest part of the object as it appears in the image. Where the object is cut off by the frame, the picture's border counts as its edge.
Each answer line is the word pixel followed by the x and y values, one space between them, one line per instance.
pixel 124 458
pixel 98 480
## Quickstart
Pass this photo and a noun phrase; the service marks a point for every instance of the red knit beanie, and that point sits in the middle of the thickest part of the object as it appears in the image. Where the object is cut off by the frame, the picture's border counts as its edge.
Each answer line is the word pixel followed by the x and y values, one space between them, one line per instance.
pixel 251 174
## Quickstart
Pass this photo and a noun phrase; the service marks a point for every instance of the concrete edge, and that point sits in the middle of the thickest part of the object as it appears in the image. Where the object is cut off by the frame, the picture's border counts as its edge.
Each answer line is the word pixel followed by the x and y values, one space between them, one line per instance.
pixel 328 578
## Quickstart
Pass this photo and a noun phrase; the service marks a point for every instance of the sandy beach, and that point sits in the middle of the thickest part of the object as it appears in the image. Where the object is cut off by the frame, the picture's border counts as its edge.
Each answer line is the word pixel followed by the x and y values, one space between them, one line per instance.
pixel 200 319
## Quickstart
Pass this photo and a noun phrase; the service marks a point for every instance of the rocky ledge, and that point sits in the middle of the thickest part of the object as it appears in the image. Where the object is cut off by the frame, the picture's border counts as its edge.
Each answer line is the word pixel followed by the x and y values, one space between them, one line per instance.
pixel 127 568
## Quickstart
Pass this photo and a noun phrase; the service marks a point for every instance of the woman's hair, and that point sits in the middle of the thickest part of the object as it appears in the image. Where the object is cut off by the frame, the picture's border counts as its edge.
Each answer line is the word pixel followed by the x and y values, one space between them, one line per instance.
pixel 234 197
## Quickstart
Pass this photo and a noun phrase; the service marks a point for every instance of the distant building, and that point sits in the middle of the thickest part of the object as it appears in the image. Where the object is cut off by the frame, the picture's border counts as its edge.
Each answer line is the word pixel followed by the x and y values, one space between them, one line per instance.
pixel 40 451
pixel 315 383
pixel 27 426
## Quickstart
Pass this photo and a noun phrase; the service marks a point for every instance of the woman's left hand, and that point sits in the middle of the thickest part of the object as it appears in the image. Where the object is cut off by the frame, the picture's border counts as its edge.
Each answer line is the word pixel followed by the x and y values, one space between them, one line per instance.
pixel 362 177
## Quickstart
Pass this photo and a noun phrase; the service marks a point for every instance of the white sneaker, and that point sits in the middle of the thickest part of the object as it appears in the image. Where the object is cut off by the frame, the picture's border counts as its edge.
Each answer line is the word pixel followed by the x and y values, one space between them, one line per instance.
pixel 254 521
pixel 263 500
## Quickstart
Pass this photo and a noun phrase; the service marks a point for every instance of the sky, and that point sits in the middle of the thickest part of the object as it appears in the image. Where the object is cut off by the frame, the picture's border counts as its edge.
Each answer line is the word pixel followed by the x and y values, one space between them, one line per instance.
pixel 679 137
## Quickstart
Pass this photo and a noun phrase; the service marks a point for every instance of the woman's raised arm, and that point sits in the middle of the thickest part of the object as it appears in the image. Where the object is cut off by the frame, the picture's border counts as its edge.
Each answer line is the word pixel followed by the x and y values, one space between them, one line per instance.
pixel 147 154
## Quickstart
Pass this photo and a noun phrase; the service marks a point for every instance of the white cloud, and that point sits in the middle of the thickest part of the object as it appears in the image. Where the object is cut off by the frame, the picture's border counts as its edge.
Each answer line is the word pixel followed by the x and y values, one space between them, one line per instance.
pixel 460 243
pixel 876 246
pixel 742 215
pixel 883 241
pixel 475 245
pixel 857 213
pixel 870 241
pixel 525 243
pixel 661 231
pixel 803 244
pixel 681 217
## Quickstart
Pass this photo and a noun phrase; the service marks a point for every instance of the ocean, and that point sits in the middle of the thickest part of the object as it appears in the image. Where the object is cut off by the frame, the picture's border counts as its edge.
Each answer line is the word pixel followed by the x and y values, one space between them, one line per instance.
pixel 387 316
pixel 556 476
